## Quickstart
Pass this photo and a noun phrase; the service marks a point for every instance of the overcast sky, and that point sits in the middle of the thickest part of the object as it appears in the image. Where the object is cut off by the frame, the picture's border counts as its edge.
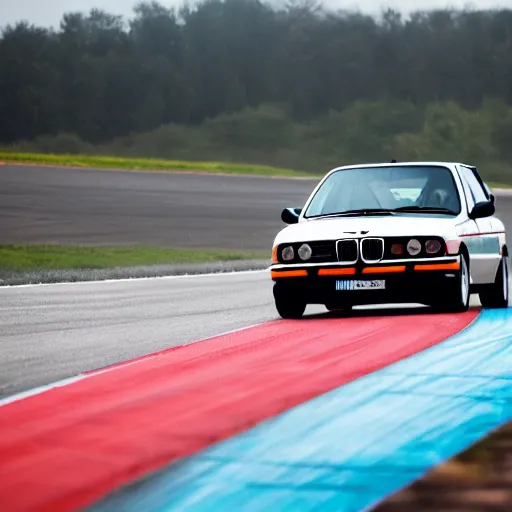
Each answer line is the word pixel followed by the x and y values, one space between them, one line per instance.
pixel 49 12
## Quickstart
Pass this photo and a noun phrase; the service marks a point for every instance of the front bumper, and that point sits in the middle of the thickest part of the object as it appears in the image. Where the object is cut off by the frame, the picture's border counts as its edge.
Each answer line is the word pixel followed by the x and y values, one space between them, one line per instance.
pixel 416 281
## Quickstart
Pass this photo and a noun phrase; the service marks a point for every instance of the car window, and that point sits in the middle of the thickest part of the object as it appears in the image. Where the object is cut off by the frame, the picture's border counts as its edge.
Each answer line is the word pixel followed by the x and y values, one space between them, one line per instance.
pixel 478 192
pixel 385 187
pixel 470 199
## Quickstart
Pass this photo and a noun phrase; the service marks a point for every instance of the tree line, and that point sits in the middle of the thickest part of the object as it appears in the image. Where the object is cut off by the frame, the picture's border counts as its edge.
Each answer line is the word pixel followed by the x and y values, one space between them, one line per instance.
pixel 100 76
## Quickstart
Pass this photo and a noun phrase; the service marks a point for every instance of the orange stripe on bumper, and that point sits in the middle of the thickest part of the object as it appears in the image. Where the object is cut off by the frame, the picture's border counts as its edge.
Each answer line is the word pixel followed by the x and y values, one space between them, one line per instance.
pixel 288 273
pixel 337 272
pixel 384 270
pixel 438 266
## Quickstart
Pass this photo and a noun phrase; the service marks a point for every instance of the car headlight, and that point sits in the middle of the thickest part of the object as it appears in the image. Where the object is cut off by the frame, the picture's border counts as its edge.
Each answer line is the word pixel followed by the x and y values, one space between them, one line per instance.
pixel 433 246
pixel 305 252
pixel 414 247
pixel 288 253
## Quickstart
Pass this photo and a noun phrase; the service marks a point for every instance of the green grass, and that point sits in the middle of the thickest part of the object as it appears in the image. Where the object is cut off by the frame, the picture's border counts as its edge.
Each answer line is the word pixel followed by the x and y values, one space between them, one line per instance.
pixel 38 257
pixel 499 185
pixel 144 164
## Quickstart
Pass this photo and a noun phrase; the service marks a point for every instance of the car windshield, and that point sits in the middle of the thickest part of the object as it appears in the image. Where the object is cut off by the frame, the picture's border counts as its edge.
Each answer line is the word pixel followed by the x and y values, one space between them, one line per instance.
pixel 423 189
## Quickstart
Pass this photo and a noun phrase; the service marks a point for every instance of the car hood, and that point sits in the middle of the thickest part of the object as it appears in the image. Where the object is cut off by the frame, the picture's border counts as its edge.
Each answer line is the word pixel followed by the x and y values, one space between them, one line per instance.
pixel 350 227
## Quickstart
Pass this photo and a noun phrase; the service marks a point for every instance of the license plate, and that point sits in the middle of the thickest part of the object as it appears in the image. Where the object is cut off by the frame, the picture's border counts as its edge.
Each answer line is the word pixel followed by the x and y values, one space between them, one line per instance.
pixel 352 285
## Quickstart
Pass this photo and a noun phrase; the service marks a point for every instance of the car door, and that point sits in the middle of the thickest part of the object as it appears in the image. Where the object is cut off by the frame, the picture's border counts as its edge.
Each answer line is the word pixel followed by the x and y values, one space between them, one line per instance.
pixel 484 243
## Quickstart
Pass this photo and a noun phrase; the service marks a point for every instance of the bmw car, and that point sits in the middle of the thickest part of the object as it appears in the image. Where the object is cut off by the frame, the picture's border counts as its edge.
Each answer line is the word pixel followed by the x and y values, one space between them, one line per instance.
pixel 423 233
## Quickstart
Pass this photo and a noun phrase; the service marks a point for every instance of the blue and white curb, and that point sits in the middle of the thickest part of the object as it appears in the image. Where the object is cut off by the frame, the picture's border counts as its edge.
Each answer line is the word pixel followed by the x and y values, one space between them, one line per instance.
pixel 349 449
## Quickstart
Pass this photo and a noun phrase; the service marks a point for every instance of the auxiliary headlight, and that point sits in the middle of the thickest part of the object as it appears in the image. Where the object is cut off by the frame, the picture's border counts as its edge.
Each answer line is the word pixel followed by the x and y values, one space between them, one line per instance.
pixel 305 252
pixel 288 253
pixel 397 249
pixel 433 246
pixel 414 247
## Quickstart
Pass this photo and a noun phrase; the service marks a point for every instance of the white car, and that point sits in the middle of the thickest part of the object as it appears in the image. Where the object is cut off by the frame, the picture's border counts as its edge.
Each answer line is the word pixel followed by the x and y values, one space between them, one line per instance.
pixel 392 233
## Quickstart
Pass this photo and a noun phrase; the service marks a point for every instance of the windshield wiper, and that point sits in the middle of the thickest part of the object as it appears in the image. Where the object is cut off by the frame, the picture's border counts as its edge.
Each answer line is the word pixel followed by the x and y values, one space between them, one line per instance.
pixel 426 209
pixel 362 211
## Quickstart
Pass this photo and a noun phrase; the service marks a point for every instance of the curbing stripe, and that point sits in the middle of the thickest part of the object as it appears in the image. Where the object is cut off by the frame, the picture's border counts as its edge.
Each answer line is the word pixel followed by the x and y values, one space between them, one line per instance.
pixel 82 441
pixel 351 448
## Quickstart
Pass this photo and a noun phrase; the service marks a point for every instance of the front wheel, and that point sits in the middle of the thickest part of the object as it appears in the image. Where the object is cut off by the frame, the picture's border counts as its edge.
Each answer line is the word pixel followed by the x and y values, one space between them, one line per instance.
pixel 288 306
pixel 495 295
pixel 455 298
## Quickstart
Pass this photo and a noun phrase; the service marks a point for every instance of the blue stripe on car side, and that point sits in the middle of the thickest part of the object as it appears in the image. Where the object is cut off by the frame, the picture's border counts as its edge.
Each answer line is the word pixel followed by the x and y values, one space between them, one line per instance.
pixel 483 244
pixel 350 448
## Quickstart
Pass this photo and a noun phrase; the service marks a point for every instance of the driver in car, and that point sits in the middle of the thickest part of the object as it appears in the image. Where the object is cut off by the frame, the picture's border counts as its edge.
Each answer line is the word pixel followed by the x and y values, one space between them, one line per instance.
pixel 439 192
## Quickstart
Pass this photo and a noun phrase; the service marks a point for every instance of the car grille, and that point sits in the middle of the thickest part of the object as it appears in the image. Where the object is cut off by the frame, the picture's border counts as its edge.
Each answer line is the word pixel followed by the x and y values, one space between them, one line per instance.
pixel 347 250
pixel 372 249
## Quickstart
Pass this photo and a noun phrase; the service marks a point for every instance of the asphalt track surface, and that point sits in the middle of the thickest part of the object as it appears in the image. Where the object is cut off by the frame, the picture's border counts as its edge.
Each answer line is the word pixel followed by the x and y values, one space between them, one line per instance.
pixel 52 332
pixel 87 206
pixel 82 206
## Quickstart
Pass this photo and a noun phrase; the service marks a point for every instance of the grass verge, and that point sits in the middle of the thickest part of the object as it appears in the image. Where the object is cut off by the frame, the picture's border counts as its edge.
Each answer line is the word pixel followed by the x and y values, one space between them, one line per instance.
pixel 478 479
pixel 499 185
pixel 145 164
pixel 57 257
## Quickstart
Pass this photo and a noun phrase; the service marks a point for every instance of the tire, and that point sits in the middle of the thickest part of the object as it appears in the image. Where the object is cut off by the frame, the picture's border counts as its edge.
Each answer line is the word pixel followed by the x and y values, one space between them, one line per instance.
pixel 456 297
pixel 496 294
pixel 287 306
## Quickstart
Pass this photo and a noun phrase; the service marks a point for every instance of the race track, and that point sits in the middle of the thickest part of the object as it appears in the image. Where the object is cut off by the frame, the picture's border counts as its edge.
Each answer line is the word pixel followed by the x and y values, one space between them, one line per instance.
pixel 51 332
pixel 56 205
pixel 285 415
pixel 328 411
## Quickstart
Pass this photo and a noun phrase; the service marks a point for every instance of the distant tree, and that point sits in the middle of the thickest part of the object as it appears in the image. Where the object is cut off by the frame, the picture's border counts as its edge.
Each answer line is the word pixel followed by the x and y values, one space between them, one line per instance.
pixel 101 77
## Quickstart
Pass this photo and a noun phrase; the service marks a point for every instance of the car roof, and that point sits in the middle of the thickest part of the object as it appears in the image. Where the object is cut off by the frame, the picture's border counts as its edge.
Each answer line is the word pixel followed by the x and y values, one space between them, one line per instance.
pixel 399 164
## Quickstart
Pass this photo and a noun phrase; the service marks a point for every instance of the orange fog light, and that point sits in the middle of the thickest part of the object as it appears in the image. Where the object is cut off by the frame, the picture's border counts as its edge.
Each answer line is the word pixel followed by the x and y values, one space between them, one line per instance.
pixel 336 271
pixel 384 270
pixel 275 274
pixel 439 266
pixel 397 249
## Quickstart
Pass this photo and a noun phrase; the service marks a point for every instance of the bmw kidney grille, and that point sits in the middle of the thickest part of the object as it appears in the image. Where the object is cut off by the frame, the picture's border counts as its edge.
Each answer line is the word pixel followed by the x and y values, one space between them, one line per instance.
pixel 372 249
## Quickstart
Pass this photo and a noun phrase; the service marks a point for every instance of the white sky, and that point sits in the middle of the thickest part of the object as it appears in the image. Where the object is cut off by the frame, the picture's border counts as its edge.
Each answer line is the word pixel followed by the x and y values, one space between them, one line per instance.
pixel 49 12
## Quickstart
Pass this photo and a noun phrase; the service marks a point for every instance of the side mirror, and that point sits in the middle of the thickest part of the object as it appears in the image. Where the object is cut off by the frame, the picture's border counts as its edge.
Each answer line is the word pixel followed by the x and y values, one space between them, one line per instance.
pixel 482 210
pixel 291 215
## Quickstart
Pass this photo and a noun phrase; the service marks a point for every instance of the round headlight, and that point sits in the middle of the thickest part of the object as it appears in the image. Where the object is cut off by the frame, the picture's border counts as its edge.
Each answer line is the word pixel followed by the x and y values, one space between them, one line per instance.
pixel 288 253
pixel 305 252
pixel 414 247
pixel 433 246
